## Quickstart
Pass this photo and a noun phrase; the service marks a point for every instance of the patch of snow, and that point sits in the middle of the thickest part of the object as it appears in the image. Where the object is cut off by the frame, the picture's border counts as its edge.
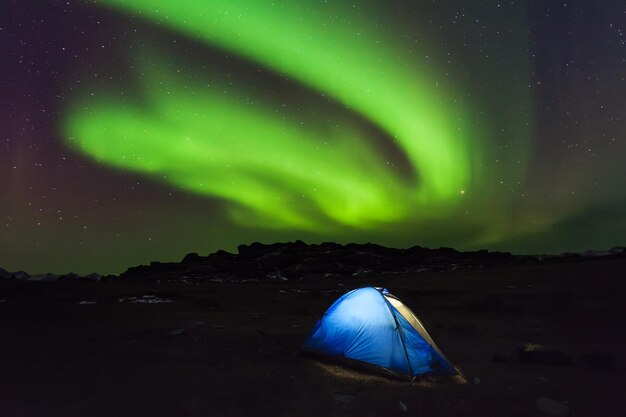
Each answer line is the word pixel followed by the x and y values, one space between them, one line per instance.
pixel 277 276
pixel 146 299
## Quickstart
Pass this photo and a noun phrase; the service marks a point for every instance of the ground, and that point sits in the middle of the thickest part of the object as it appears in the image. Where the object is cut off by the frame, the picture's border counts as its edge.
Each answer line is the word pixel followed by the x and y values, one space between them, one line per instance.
pixel 232 349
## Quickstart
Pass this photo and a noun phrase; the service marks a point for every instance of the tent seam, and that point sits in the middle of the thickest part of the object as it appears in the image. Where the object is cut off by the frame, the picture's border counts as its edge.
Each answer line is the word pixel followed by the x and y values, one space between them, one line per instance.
pixel 400 331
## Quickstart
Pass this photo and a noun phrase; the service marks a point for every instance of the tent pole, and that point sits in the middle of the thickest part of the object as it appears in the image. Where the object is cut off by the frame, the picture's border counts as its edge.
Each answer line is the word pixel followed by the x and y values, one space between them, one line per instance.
pixel 402 338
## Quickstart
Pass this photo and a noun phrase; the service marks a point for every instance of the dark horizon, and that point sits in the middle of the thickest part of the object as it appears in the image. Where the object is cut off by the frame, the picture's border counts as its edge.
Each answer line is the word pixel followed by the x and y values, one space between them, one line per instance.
pixel 587 253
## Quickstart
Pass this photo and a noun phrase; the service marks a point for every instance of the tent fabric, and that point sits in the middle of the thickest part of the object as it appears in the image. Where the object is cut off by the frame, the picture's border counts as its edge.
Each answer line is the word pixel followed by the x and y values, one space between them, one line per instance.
pixel 364 325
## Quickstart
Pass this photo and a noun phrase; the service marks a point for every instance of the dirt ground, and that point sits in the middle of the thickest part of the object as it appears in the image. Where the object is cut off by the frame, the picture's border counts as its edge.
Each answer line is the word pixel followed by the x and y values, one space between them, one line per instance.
pixel 231 350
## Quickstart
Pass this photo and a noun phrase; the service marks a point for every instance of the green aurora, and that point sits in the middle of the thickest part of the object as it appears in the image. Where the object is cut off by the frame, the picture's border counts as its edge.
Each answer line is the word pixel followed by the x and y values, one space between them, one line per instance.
pixel 232 142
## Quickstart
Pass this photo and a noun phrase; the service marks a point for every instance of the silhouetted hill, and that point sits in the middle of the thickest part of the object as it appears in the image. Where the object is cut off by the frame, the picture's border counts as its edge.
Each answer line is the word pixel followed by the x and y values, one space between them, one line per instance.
pixel 300 261
pixel 297 260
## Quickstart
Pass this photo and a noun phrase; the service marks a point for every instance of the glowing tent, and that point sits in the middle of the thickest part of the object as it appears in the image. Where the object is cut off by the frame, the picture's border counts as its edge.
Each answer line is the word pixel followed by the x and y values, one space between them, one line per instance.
pixel 371 326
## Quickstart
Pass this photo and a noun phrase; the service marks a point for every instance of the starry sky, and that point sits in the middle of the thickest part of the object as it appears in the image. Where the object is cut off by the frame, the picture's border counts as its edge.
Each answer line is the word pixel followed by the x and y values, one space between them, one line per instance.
pixel 142 130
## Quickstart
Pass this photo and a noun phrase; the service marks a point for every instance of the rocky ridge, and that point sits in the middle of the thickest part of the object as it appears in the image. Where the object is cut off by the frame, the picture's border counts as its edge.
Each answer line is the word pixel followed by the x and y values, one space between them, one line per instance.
pixel 299 261
pixel 296 261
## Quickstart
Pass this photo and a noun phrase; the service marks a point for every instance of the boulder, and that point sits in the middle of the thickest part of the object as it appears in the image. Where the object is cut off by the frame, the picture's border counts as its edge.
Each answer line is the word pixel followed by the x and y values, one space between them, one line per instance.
pixel 4 274
pixel 20 275
pixel 191 258
pixel 70 276
pixel 92 277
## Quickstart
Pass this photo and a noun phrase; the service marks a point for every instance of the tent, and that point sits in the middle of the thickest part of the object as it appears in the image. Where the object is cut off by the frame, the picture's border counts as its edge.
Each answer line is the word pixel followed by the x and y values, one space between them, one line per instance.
pixel 371 326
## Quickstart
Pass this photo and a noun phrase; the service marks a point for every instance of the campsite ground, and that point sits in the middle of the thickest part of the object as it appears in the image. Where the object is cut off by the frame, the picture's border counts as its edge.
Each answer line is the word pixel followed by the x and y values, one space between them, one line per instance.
pixel 230 350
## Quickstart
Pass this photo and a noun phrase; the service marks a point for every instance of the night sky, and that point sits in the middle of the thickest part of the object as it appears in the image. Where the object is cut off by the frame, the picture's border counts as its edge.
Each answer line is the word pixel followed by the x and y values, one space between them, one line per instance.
pixel 138 130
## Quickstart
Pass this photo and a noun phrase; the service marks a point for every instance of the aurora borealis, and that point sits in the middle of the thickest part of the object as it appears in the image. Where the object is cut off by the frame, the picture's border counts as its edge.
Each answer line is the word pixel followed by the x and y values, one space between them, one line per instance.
pixel 143 130
pixel 284 174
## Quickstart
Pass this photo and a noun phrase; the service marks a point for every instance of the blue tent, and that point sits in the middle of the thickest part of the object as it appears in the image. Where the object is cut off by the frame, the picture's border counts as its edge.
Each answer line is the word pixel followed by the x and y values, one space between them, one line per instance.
pixel 372 326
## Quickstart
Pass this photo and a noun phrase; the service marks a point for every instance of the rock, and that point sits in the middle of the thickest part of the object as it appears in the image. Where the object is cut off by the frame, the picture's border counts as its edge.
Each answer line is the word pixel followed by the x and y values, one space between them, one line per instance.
pixel 402 406
pixel 329 246
pixel 91 277
pixel 20 275
pixel 176 332
pixel 70 276
pixel 4 274
pixel 299 244
pixel 191 258
pixel 253 250
pixel 87 302
pixel 476 380
pixel 552 407
pixel 108 278
pixel 221 257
